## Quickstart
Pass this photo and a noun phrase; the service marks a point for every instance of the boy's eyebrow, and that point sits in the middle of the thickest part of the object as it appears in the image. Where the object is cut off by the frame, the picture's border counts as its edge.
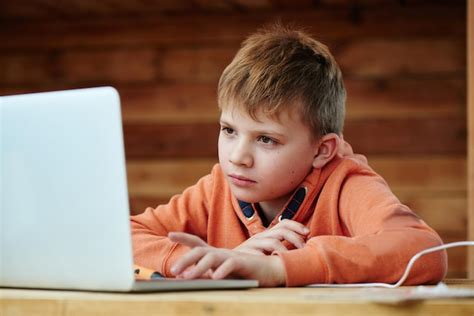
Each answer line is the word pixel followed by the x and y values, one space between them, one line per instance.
pixel 262 132
pixel 224 122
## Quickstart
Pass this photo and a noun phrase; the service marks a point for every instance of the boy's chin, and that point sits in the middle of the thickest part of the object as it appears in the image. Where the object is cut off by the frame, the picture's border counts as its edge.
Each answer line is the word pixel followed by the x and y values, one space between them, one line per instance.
pixel 249 197
pixel 245 196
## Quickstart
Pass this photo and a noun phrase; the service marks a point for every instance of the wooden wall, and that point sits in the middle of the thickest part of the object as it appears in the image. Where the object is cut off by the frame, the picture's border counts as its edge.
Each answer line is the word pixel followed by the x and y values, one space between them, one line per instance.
pixel 470 111
pixel 404 64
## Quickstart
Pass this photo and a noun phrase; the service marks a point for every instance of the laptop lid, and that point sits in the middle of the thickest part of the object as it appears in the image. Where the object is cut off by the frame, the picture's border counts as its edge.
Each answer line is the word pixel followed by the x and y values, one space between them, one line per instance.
pixel 64 216
pixel 63 193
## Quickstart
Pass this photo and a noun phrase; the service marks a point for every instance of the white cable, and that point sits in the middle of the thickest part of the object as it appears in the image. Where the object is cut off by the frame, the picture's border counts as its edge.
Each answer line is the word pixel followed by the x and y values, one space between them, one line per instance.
pixel 407 270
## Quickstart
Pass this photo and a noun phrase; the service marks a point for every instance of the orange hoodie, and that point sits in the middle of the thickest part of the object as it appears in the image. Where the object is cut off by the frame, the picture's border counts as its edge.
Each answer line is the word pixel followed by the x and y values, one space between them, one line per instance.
pixel 359 231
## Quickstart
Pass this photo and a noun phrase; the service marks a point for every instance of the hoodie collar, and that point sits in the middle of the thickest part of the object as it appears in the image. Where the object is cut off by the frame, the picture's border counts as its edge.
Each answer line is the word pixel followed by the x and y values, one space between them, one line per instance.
pixel 298 206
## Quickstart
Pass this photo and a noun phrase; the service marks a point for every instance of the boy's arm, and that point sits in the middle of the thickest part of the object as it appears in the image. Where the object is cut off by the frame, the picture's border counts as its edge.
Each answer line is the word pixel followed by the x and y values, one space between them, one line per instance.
pixel 187 212
pixel 384 235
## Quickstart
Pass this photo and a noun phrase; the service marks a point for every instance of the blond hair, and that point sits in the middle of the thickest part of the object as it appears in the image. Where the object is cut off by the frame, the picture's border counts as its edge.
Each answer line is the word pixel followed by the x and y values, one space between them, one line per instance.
pixel 278 67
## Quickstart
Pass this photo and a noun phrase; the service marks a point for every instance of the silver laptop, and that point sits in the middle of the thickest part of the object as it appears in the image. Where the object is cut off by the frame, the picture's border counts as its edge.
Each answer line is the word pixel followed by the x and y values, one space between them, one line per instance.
pixel 64 217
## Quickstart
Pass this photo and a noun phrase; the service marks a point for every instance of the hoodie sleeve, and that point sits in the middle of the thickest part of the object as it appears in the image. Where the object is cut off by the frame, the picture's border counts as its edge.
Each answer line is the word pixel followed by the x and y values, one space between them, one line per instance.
pixel 187 212
pixel 379 236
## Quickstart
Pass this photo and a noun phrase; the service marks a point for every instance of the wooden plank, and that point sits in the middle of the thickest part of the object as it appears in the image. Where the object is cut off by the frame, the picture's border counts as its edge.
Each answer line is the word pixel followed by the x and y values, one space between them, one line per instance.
pixel 381 57
pixel 260 4
pixel 163 178
pixel 422 174
pixel 138 204
pixel 108 65
pixel 326 24
pixel 370 137
pixel 48 9
pixel 360 58
pixel 470 144
pixel 106 8
pixel 215 5
pixel 171 140
pixel 407 136
pixel 456 259
pixel 255 302
pixel 408 98
pixel 22 68
pixel 167 103
pixel 361 4
pixel 196 64
pixel 447 215
pixel 39 307
pixel 54 68
pixel 14 10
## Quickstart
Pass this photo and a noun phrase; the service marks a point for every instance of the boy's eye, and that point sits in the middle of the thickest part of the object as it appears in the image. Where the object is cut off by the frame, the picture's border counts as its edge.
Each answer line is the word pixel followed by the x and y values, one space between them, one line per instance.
pixel 227 130
pixel 267 140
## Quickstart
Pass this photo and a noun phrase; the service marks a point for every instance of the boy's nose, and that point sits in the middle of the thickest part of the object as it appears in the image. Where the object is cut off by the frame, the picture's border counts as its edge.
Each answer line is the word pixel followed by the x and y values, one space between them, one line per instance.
pixel 241 155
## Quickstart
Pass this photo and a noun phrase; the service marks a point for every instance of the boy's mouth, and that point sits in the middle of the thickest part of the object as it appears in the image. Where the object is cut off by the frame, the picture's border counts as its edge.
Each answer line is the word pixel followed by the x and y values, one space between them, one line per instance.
pixel 241 180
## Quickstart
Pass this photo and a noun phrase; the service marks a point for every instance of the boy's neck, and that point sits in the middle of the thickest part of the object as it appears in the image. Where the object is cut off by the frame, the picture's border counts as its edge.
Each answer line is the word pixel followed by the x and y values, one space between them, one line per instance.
pixel 270 209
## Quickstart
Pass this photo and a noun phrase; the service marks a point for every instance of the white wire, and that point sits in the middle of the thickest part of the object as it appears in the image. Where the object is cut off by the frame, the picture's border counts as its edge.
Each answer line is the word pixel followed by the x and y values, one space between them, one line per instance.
pixel 407 270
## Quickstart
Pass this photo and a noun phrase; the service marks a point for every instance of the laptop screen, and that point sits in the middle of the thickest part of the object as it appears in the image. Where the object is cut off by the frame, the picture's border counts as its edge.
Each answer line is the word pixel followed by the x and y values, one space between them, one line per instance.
pixel 64 199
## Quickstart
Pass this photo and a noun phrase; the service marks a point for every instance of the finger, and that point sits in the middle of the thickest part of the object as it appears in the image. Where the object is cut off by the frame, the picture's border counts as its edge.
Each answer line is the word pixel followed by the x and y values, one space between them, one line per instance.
pixel 180 275
pixel 189 259
pixel 209 261
pixel 226 268
pixel 293 238
pixel 293 225
pixel 187 239
pixel 283 233
pixel 206 275
pixel 269 245
pixel 284 225
pixel 250 250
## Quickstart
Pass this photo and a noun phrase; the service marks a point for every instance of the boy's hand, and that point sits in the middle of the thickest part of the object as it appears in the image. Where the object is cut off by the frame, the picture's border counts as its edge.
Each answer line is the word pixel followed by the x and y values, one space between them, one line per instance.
pixel 218 263
pixel 271 240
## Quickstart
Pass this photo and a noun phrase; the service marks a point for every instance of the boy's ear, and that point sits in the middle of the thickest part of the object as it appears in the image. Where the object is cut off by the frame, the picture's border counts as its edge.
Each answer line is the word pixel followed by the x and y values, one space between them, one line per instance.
pixel 327 148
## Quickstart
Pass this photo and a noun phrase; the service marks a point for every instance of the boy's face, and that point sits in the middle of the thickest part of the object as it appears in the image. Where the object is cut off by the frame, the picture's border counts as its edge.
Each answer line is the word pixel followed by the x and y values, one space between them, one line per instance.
pixel 264 160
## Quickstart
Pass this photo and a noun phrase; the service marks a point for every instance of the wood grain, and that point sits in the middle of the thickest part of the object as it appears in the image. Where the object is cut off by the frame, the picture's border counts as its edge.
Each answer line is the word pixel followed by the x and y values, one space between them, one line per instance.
pixel 415 136
pixel 330 25
pixel 169 103
pixel 405 98
pixel 470 110
pixel 163 178
pixel 381 58
pixel 108 65
pixel 171 140
pixel 261 302
pixel 358 58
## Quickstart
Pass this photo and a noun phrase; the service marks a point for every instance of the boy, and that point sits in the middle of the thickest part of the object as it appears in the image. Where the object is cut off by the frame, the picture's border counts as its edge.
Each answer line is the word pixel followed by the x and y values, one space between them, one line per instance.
pixel 289 203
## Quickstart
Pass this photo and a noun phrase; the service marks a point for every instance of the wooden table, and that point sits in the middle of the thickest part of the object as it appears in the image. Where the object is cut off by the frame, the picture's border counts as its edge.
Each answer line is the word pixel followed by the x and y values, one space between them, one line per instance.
pixel 274 301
